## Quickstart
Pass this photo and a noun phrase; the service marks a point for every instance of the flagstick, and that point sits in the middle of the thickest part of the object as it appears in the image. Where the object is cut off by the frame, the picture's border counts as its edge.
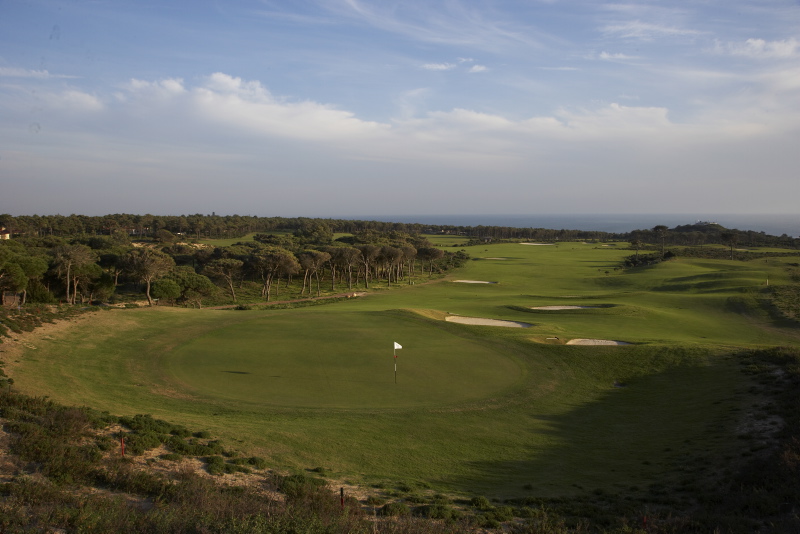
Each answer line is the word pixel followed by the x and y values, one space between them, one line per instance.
pixel 394 352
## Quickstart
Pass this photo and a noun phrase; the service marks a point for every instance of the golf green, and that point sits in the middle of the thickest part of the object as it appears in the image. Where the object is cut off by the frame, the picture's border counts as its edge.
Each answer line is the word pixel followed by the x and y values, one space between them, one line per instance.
pixel 340 360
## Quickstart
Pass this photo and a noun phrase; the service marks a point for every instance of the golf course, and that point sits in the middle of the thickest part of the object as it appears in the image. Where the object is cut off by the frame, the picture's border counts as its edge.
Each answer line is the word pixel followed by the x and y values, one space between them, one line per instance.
pixel 654 389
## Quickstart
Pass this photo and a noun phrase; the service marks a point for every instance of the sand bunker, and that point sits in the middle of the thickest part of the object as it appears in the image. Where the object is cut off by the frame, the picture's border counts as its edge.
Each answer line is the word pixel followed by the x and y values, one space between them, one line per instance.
pixel 485 322
pixel 564 307
pixel 538 244
pixel 580 341
pixel 473 282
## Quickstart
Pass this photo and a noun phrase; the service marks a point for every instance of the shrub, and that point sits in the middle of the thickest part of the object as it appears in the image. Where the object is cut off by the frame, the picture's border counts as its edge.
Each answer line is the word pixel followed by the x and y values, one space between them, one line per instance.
pixel 395 509
pixel 481 503
pixel 257 462
pixel 502 513
pixel 143 423
pixel 192 448
pixel 415 498
pixel 374 500
pixel 140 442
pixel 300 485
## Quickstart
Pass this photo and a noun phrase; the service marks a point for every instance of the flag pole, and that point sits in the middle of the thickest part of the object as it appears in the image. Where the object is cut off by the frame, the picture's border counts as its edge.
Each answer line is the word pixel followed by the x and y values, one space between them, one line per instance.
pixel 396 346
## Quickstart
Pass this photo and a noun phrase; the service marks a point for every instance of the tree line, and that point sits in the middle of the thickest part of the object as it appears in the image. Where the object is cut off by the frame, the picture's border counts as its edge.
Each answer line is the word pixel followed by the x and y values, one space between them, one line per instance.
pixel 199 226
pixel 86 268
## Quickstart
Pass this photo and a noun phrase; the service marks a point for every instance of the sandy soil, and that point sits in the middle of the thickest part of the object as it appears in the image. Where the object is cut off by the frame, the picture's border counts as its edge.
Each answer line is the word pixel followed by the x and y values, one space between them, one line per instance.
pixel 563 307
pixel 485 322
pixel 473 282
pixel 581 341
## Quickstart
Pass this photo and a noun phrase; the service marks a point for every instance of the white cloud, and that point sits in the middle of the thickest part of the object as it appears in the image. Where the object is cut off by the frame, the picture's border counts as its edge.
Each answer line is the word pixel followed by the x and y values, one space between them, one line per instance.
pixel 250 106
pixel 79 101
pixel 166 88
pixel 477 68
pixel 438 66
pixel 761 49
pixel 606 56
pixel 16 72
pixel 646 31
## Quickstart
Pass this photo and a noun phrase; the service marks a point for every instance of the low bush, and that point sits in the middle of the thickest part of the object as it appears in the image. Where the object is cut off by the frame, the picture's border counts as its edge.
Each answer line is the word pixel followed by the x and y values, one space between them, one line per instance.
pixel 480 503
pixel 374 500
pixel 395 509
pixel 300 485
pixel 138 443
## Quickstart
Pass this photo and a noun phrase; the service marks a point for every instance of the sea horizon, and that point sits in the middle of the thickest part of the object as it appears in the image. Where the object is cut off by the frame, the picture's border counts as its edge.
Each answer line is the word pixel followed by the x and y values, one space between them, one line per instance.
pixel 769 223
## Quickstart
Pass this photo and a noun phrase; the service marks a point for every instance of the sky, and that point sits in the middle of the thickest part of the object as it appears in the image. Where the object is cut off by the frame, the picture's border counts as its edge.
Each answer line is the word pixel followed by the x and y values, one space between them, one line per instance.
pixel 339 108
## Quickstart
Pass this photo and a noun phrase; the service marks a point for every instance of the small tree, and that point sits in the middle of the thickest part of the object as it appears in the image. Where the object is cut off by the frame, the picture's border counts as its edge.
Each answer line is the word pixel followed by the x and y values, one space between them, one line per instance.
pixel 369 253
pixel 430 254
pixel 164 236
pixel 194 287
pixel 225 269
pixel 148 265
pixel 661 232
pixel 166 289
pixel 731 239
pixel 270 263
pixel 66 258
pixel 312 261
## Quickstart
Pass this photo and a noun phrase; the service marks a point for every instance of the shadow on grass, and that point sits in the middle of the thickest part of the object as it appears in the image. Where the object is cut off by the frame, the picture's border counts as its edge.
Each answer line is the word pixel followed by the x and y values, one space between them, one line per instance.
pixel 624 442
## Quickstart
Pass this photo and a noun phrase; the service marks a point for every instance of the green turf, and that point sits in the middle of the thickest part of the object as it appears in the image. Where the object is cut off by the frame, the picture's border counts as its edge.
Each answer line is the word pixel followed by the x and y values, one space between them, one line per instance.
pixel 346 362
pixel 505 412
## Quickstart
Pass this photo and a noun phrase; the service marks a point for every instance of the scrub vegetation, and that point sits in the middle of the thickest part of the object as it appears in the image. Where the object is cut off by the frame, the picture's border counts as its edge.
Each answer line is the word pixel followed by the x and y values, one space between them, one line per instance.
pixel 251 417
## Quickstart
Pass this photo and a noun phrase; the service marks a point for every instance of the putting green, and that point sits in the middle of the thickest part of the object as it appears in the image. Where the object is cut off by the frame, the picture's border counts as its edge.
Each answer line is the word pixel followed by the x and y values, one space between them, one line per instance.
pixel 339 360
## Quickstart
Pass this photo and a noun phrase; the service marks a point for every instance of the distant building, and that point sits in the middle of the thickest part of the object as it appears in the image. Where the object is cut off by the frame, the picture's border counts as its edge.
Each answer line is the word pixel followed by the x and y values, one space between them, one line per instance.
pixel 4 234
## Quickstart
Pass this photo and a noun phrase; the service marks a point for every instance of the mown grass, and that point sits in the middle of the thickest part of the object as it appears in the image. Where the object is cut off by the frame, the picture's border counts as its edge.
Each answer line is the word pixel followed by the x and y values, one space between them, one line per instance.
pixel 547 420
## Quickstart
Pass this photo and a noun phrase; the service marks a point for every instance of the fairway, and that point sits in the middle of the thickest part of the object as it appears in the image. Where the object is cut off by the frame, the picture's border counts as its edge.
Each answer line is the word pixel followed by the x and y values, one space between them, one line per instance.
pixel 339 360
pixel 476 408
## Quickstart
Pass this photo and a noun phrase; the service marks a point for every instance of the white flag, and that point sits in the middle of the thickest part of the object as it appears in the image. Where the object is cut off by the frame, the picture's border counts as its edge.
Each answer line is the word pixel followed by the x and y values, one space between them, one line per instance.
pixel 397 345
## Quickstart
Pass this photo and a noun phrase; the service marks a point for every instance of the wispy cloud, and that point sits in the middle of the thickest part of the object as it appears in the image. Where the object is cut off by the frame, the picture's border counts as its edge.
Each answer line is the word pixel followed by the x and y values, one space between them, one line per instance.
pixel 438 66
pixel 16 72
pixel 607 56
pixel 761 49
pixel 477 68
pixel 454 22
pixel 646 31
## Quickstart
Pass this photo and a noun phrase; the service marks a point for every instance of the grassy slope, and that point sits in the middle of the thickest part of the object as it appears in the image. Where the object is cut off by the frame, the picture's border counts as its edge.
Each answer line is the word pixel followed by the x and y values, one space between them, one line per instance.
pixel 560 428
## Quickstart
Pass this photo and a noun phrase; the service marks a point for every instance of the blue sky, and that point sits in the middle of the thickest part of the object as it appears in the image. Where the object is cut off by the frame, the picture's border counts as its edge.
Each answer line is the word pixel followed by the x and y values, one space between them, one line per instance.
pixel 352 107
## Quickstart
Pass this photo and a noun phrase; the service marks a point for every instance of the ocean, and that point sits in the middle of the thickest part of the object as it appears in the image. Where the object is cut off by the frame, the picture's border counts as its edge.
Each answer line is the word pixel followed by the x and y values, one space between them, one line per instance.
pixel 772 224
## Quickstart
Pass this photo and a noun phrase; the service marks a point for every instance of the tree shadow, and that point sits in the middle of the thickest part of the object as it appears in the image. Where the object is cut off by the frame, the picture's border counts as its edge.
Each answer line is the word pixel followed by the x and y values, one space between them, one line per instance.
pixel 626 440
